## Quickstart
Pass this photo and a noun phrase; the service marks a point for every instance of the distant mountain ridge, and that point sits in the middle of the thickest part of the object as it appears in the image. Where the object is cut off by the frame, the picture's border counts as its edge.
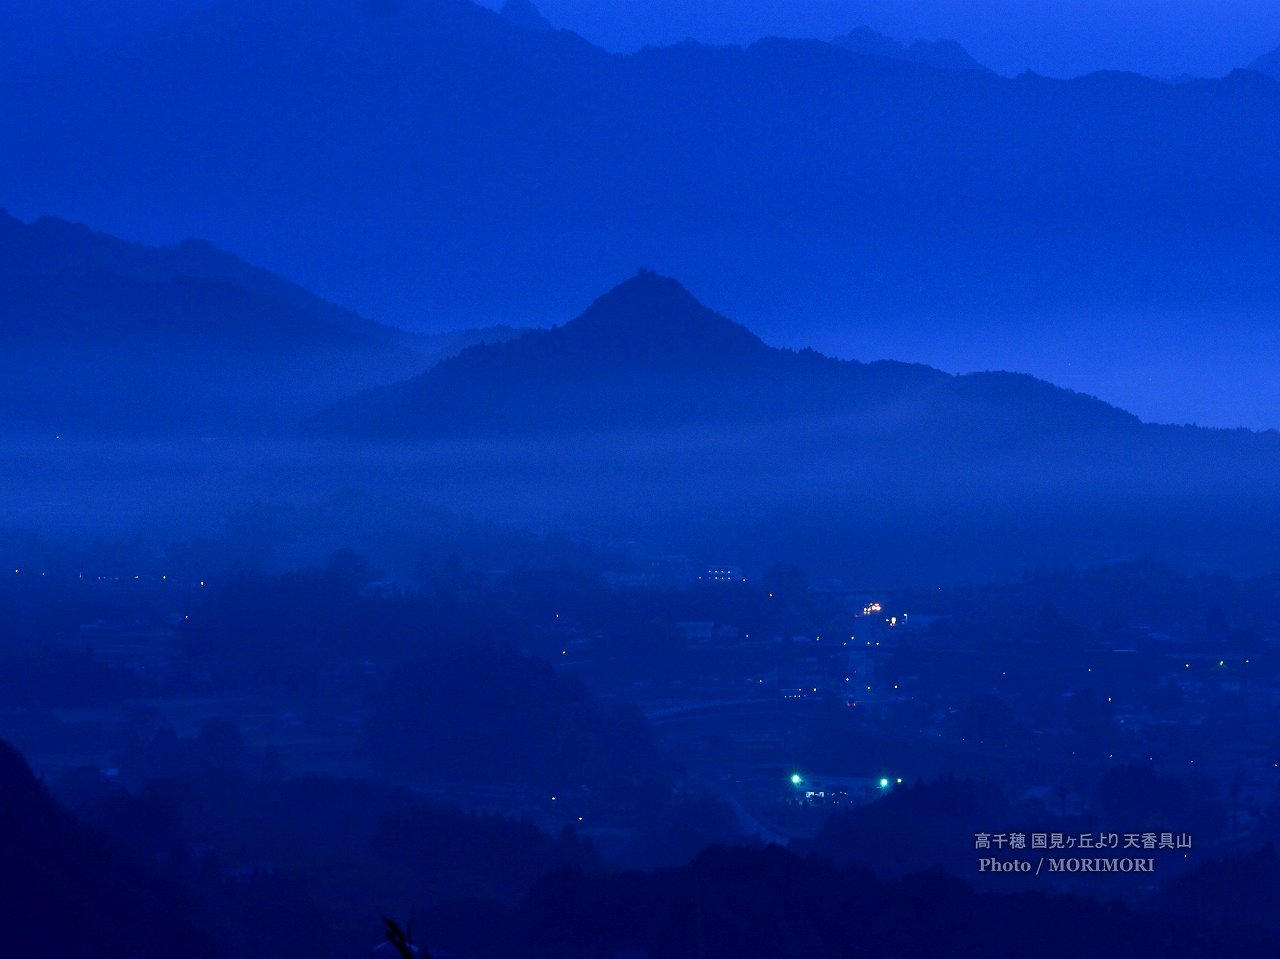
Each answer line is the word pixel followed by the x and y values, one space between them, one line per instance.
pixel 938 54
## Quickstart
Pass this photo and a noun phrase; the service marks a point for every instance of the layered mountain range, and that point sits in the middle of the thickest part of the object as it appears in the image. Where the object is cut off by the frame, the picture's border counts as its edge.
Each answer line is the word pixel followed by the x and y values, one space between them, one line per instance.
pixel 651 411
pixel 439 162
pixel 647 408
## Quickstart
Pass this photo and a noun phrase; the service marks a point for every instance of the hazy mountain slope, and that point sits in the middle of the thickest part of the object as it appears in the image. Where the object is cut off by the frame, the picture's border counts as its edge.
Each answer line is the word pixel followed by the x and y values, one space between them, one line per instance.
pixel 523 13
pixel 57 248
pixel 1268 64
pixel 64 251
pixel 102 334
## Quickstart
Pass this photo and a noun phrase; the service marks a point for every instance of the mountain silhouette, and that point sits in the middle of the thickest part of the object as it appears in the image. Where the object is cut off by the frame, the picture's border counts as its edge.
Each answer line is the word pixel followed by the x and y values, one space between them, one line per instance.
pixel 648 355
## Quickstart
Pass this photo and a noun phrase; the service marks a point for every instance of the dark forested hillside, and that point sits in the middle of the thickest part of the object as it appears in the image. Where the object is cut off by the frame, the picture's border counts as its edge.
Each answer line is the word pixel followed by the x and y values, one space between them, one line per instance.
pixel 66 892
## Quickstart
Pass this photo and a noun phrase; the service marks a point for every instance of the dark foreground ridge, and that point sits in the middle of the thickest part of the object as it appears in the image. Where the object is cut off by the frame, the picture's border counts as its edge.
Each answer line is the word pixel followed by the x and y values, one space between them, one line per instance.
pixel 67 893
pixel 72 894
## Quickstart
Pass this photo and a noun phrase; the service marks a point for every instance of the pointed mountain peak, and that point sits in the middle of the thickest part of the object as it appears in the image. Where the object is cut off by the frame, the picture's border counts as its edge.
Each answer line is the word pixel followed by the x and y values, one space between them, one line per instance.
pixel 652 313
pixel 650 290
pixel 522 13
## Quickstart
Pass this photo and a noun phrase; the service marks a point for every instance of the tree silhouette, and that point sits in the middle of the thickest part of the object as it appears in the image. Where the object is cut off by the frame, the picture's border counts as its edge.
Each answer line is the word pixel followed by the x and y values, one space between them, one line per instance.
pixel 402 940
